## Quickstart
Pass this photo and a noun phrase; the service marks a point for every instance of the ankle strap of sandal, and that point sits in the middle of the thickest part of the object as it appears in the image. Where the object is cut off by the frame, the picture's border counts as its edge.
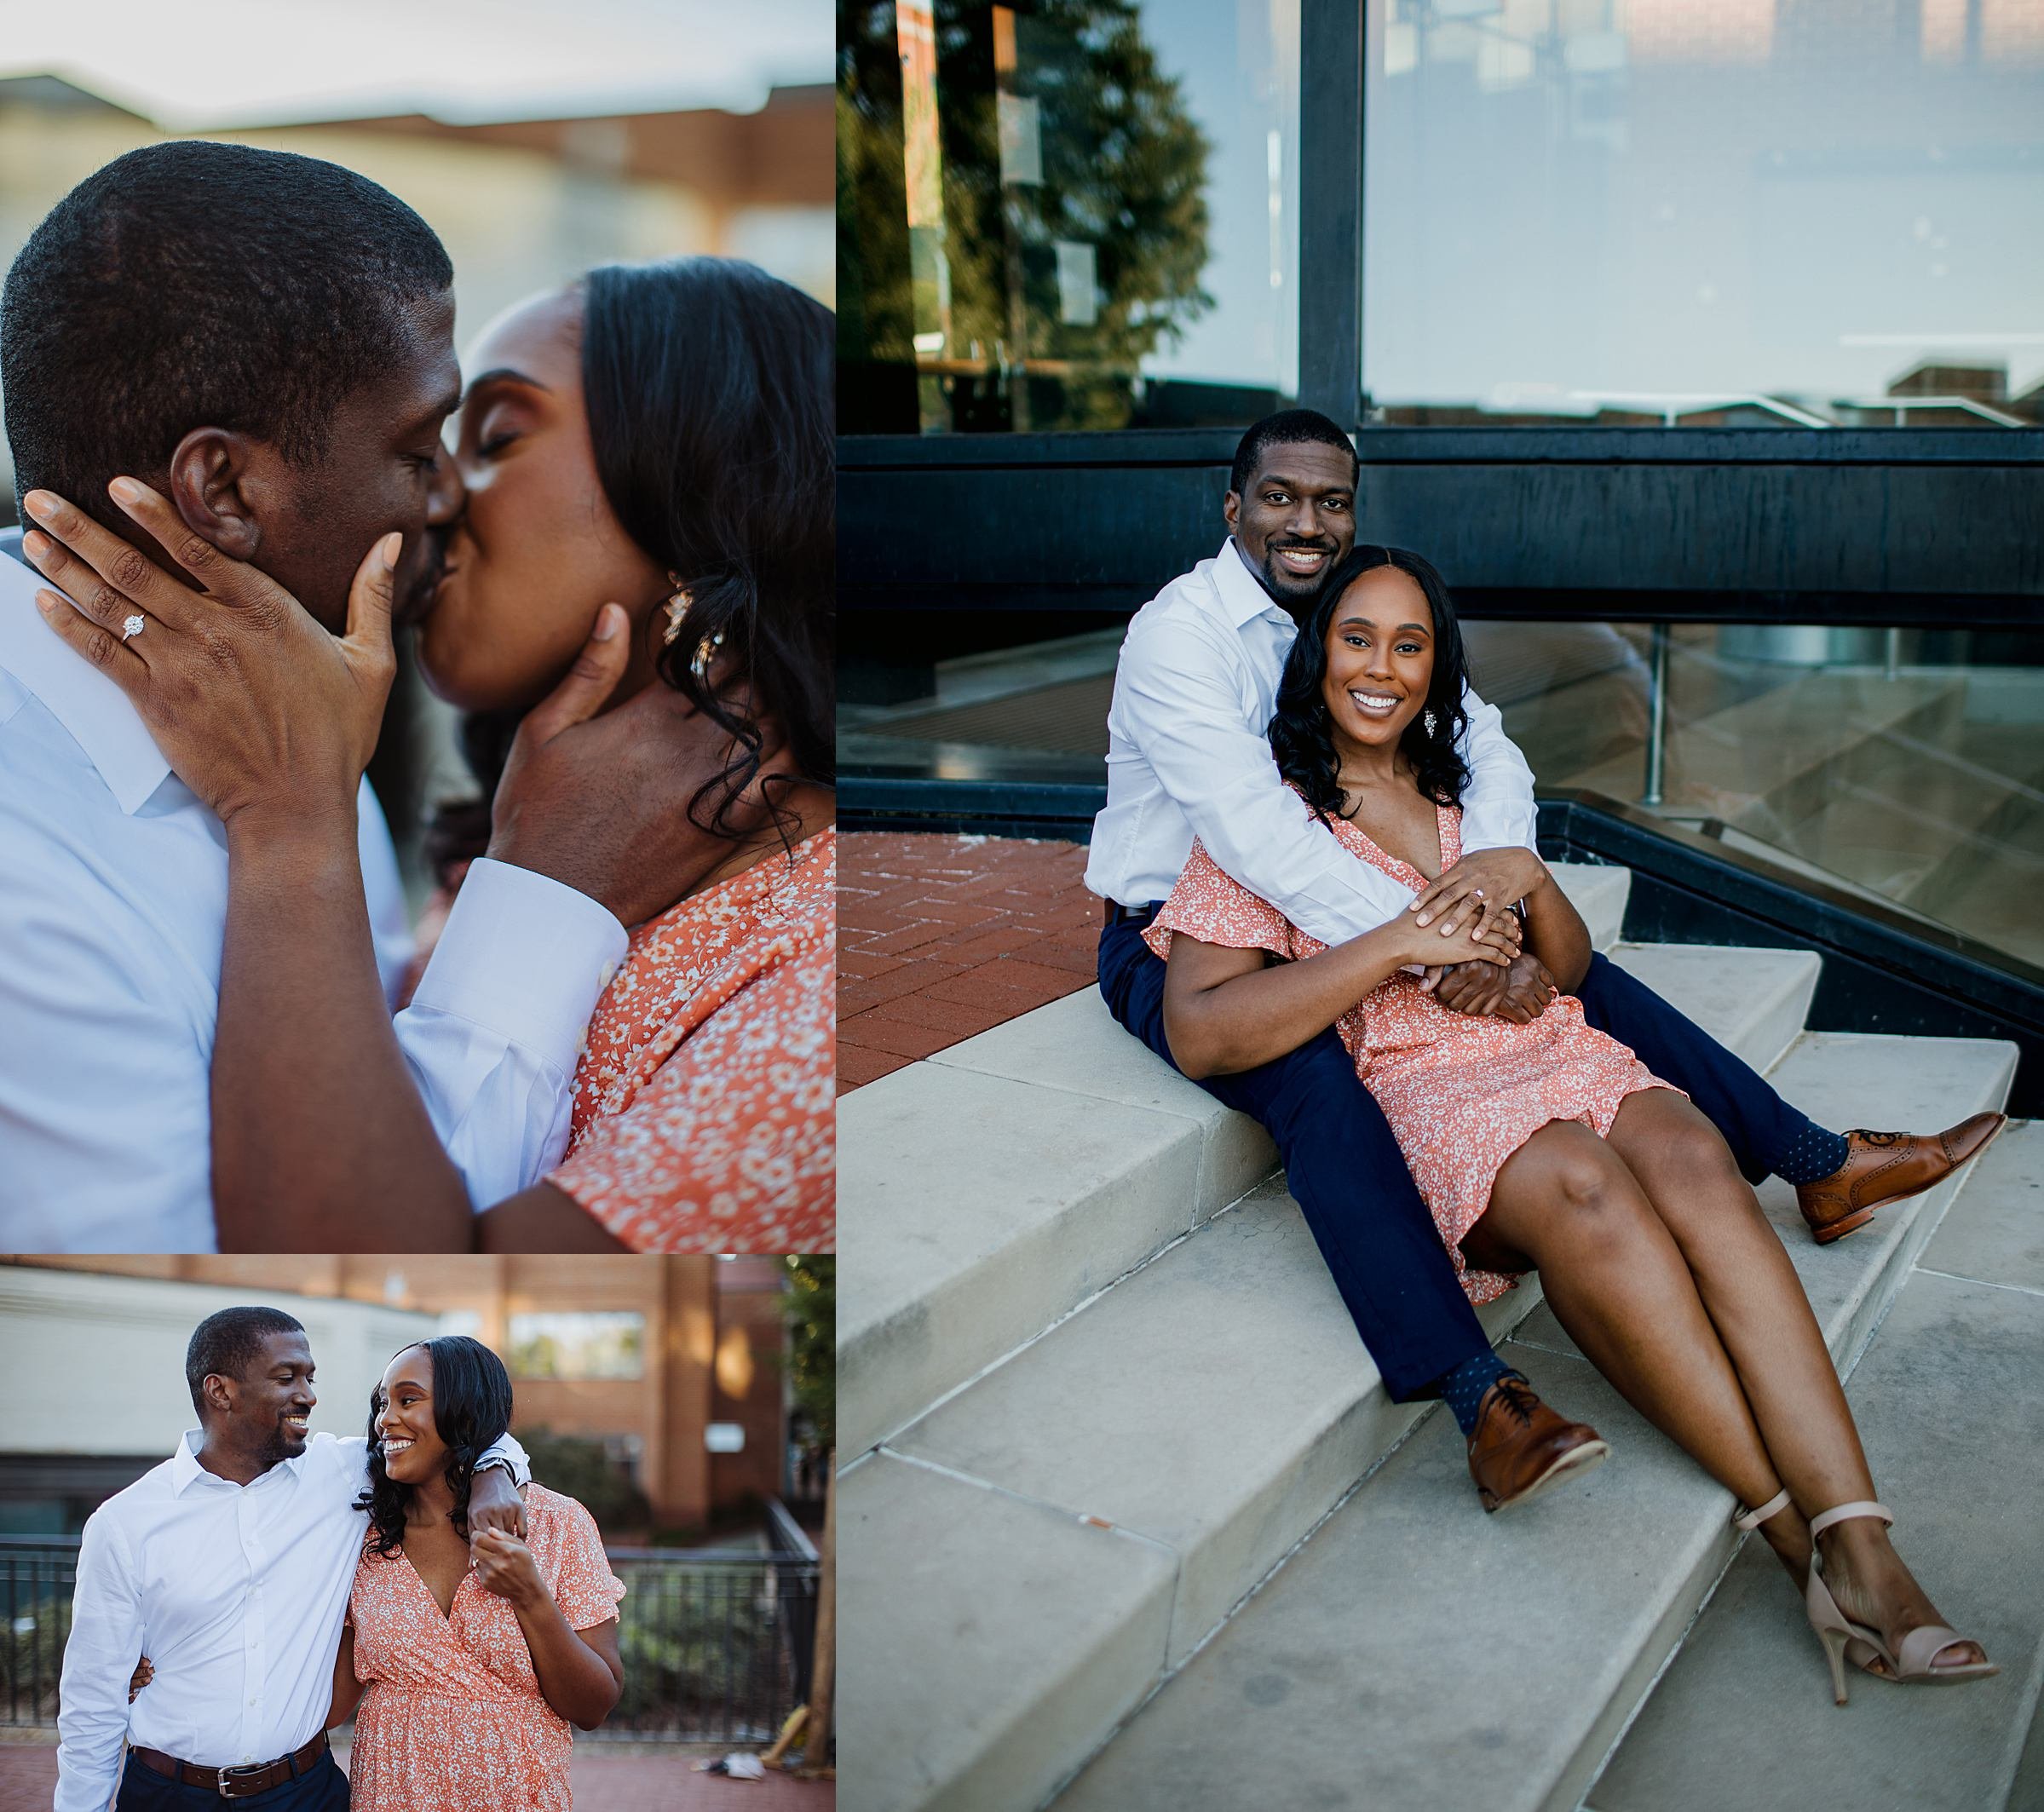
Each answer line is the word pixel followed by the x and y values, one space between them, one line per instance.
pixel 1753 1519
pixel 1846 1513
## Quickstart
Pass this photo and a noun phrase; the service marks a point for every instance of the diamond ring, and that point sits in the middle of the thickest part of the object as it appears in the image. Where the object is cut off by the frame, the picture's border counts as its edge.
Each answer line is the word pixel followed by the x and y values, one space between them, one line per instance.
pixel 134 626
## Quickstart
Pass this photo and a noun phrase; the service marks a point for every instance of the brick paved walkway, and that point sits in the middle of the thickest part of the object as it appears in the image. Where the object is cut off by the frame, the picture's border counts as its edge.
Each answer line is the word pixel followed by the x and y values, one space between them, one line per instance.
pixel 942 936
pixel 637 1779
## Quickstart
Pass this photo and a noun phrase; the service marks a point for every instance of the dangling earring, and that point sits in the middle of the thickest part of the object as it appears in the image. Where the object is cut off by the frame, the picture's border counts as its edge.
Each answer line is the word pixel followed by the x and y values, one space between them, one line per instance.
pixel 704 649
pixel 1429 721
pixel 677 609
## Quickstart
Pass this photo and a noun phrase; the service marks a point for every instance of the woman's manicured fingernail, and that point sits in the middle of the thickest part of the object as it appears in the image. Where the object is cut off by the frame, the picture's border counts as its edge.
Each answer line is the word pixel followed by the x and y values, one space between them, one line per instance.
pixel 40 504
pixel 392 544
pixel 36 544
pixel 124 490
pixel 606 623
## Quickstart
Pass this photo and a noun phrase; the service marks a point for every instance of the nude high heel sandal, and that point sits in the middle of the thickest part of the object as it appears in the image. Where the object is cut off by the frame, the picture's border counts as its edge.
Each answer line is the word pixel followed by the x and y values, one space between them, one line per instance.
pixel 1907 1663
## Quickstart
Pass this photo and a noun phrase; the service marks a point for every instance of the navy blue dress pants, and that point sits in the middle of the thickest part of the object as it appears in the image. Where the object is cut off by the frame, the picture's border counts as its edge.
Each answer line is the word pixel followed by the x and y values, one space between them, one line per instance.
pixel 321 1788
pixel 1344 1169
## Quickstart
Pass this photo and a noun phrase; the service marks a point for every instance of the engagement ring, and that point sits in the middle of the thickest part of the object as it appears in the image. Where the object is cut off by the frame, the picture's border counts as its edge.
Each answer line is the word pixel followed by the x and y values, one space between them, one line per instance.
pixel 133 626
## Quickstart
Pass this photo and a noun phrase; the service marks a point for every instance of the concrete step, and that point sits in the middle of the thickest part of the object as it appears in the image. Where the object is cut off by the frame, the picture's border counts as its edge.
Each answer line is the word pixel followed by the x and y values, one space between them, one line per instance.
pixel 1754 1001
pixel 982 1200
pixel 1957 1452
pixel 1413 1645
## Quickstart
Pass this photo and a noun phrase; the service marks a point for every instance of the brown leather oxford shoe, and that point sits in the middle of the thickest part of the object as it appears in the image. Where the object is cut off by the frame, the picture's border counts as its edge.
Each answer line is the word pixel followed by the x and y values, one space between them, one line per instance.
pixel 1883 1167
pixel 1521 1446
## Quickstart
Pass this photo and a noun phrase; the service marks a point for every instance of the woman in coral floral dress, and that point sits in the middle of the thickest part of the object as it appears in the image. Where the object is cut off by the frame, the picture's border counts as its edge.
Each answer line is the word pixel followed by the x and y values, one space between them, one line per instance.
pixel 1536 1141
pixel 702 1117
pixel 473 1677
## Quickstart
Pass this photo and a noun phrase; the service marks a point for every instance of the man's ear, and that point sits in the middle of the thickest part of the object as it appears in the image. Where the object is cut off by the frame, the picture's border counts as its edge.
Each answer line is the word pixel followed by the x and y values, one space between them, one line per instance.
pixel 1231 509
pixel 225 485
pixel 219 1393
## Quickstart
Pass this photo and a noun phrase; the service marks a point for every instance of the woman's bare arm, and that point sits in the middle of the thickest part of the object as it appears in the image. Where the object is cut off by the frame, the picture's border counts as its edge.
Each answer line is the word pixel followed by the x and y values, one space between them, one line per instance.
pixel 347 1690
pixel 1227 1011
pixel 580 1671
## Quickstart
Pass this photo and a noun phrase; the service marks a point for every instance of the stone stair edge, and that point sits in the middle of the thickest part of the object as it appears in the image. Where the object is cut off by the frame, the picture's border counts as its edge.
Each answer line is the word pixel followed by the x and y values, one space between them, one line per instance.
pixel 1231 1155
pixel 1850 1327
pixel 1610 1728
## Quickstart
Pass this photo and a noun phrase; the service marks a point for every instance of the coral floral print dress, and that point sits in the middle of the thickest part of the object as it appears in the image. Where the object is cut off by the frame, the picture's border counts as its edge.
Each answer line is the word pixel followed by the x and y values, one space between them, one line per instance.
pixel 1462 1094
pixel 702 1121
pixel 454 1720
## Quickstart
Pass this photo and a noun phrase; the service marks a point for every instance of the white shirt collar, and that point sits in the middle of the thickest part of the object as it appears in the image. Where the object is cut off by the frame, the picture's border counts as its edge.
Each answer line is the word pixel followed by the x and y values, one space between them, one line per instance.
pixel 185 1470
pixel 1242 594
pixel 89 705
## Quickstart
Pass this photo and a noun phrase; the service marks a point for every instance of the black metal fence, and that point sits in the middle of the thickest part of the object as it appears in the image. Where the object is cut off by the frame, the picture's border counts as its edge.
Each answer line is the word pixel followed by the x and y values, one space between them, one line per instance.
pixel 36 1573
pixel 716 1645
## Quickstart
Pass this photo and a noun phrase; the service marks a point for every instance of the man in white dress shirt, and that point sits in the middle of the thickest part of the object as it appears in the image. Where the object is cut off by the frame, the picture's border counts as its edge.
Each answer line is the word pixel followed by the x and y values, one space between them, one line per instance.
pixel 1188 755
pixel 267 340
pixel 230 1565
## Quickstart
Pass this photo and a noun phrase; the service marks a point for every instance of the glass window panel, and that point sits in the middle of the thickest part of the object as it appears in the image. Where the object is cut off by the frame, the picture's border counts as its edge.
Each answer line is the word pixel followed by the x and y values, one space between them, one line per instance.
pixel 570 1346
pixel 1741 212
pixel 1065 213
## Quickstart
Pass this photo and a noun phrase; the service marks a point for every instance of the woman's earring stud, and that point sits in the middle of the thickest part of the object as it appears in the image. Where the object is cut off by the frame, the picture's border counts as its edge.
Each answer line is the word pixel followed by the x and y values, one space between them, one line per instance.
pixel 704 649
pixel 677 608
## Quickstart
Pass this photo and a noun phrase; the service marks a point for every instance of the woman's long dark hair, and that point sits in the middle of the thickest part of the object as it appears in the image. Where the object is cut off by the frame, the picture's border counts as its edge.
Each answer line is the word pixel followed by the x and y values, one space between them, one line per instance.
pixel 1302 733
pixel 471 1410
pixel 709 389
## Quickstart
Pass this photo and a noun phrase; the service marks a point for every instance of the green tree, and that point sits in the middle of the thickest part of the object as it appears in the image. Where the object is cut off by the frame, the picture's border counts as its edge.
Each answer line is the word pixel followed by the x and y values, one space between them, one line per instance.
pixel 1122 168
pixel 811 1307
pixel 579 1468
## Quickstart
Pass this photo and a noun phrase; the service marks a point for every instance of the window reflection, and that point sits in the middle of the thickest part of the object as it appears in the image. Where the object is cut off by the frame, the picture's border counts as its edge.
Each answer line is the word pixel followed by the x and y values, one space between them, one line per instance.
pixel 1065 213
pixel 1799 213
pixel 596 1345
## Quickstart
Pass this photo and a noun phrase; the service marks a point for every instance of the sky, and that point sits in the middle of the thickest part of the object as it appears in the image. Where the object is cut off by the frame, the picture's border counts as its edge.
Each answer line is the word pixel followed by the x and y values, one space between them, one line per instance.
pixel 262 62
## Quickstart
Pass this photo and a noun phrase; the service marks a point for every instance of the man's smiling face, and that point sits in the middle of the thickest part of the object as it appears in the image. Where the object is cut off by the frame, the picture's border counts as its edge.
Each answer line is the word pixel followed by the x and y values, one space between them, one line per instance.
pixel 270 1406
pixel 1296 518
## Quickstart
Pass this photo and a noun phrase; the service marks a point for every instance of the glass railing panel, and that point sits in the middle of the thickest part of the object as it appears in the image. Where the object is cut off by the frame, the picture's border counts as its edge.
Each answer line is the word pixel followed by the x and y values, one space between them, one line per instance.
pixel 1035 711
pixel 1906 765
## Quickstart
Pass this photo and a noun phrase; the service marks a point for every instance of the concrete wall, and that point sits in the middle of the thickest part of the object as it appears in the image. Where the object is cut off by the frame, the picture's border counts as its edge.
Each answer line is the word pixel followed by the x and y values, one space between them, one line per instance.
pixel 94 1364
pixel 712 1354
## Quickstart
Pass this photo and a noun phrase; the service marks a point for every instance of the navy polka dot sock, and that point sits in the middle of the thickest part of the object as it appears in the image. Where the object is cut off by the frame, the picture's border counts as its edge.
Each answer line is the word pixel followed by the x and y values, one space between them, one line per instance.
pixel 1816 1153
pixel 1463 1388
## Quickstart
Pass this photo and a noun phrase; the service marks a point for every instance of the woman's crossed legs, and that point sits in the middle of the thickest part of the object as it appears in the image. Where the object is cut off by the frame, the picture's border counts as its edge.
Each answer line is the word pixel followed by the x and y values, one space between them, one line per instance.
pixel 1659 1264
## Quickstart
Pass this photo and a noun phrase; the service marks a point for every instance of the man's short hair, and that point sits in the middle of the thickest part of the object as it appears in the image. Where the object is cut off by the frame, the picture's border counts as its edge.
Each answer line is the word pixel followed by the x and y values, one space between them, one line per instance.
pixel 228 1343
pixel 191 284
pixel 1287 428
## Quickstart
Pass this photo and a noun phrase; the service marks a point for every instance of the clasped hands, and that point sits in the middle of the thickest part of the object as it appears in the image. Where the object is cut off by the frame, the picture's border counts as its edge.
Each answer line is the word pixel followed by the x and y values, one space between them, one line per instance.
pixel 1480 891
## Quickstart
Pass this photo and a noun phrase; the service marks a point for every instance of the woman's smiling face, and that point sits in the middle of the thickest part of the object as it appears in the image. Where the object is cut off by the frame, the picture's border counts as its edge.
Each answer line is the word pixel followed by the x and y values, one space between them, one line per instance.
pixel 537 551
pixel 1380 658
pixel 407 1434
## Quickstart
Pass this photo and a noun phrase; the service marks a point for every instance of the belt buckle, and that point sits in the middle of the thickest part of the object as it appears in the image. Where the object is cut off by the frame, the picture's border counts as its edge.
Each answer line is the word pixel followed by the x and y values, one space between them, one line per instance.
pixel 248 1769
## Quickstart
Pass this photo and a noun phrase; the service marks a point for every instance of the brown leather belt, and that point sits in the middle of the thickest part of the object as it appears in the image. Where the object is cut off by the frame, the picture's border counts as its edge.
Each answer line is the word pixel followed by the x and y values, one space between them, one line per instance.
pixel 235 1783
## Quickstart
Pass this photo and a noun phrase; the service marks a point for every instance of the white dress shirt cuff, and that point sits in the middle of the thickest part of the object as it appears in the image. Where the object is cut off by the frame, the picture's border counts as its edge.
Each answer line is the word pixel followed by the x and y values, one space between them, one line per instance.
pixel 526 958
